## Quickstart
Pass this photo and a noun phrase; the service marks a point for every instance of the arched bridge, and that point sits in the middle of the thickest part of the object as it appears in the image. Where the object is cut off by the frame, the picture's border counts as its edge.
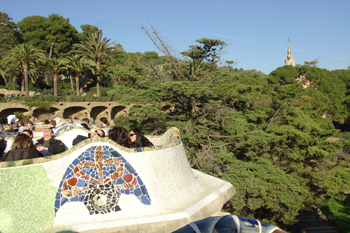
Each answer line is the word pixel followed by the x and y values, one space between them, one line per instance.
pixel 94 110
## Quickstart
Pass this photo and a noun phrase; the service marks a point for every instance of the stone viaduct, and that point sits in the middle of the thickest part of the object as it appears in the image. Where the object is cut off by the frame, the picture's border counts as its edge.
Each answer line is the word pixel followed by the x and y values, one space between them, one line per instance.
pixel 94 110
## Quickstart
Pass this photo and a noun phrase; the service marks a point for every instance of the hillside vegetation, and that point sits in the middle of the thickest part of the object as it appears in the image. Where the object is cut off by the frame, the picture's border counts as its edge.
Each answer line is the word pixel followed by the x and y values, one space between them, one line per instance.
pixel 267 135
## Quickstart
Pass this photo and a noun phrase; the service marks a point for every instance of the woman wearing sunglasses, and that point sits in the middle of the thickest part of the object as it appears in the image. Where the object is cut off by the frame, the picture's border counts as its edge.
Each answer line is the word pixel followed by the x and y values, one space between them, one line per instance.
pixel 137 139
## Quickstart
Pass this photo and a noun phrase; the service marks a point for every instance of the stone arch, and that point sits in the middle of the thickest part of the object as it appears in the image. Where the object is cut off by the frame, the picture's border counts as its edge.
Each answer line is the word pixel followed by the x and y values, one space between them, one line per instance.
pixel 45 113
pixel 117 111
pixel 75 111
pixel 9 111
pixel 98 112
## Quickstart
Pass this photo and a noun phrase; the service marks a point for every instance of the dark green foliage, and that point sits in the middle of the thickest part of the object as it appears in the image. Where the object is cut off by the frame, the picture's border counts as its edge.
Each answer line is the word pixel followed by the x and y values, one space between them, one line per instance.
pixel 263 190
pixel 42 32
pixel 148 117
pixel 338 210
pixel 7 34
pixel 284 75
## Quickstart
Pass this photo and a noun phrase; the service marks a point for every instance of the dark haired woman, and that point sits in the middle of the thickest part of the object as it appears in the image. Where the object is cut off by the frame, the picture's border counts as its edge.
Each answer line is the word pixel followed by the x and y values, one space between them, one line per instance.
pixel 120 135
pixel 137 139
pixel 22 148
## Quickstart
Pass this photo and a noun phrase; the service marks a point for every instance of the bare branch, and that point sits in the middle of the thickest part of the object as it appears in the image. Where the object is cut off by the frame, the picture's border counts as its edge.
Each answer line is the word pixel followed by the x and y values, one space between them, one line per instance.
pixel 161 45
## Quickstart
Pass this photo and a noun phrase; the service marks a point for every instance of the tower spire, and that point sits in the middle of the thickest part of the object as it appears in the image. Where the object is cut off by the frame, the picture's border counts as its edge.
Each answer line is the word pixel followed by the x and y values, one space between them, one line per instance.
pixel 289 60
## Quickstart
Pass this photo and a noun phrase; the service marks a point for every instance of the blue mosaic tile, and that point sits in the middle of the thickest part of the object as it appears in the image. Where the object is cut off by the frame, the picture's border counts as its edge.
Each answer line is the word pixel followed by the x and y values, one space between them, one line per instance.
pixel 139 181
pixel 69 176
pixel 115 154
pixel 145 200
pixel 143 190
pixel 67 172
pixel 63 200
pixel 74 199
pixel 137 192
pixel 81 198
pixel 57 204
pixel 127 192
pixel 81 183
pixel 129 167
pixel 139 149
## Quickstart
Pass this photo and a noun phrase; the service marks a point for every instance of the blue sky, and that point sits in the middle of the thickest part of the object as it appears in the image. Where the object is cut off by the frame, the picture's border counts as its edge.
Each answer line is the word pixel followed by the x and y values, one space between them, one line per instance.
pixel 256 31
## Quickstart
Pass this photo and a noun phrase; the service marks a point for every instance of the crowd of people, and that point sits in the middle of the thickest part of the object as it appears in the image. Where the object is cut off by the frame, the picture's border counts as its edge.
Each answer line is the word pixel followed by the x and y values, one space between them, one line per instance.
pixel 23 146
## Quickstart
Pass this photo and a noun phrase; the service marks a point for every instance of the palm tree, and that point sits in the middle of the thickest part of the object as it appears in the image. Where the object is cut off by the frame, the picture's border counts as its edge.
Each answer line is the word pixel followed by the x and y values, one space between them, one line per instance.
pixel 3 70
pixel 96 48
pixel 14 69
pixel 77 65
pixel 55 66
pixel 26 54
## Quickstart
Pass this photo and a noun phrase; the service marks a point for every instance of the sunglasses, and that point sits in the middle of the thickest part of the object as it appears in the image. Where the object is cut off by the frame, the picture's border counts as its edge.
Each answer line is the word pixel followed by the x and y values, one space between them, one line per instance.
pixel 97 133
pixel 132 134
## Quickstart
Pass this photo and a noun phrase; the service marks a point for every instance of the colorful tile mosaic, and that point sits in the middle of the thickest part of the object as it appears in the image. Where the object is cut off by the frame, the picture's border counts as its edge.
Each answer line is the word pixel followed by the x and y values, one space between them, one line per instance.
pixel 169 139
pixel 97 178
pixel 62 129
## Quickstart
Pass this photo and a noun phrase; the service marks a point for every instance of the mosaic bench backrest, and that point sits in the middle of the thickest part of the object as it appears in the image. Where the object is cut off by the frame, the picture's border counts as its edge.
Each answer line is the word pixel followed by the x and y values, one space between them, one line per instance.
pixel 94 173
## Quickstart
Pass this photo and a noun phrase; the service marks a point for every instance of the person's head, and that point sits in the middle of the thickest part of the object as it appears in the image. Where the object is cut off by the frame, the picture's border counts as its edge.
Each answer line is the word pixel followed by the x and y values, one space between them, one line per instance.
pixel 97 133
pixel 20 123
pixel 52 123
pixel 120 135
pixel 47 133
pixel 86 121
pixel 28 132
pixel 30 125
pixel 22 141
pixel 70 120
pixel 46 122
pixel 104 120
pixel 136 136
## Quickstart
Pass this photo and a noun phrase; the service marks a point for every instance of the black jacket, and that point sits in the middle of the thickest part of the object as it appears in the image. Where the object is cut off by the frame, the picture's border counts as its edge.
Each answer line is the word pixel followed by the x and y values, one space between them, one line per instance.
pixel 144 143
pixel 79 139
pixel 19 154
pixel 55 146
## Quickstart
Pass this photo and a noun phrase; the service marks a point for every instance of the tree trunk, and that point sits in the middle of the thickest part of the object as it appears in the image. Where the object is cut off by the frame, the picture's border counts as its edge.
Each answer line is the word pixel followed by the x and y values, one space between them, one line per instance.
pixel 71 81
pixel 77 83
pixel 98 78
pixel 51 50
pixel 22 84
pixel 55 84
pixel 25 73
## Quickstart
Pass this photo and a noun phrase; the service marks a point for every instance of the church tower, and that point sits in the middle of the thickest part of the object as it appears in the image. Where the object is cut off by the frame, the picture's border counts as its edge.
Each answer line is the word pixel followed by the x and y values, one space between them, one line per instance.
pixel 289 59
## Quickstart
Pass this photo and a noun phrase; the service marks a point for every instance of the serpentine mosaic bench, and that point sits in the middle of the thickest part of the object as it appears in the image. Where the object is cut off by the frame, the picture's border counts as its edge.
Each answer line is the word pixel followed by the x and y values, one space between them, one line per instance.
pixel 99 185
